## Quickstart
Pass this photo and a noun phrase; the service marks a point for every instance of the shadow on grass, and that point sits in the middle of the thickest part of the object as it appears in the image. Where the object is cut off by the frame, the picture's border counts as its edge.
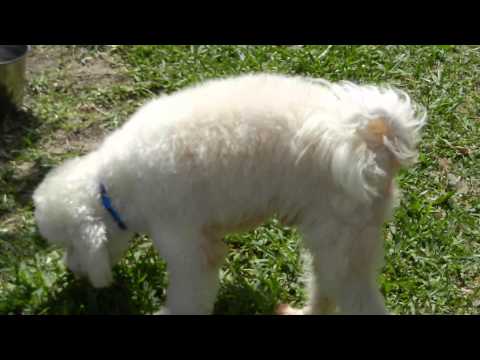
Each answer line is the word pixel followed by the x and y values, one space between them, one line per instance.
pixel 19 245
pixel 18 131
pixel 240 298
pixel 137 289
pixel 78 297
pixel 17 127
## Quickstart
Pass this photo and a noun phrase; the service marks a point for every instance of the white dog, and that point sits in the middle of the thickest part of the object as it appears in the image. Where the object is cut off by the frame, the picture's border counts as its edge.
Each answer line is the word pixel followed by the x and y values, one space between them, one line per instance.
pixel 225 156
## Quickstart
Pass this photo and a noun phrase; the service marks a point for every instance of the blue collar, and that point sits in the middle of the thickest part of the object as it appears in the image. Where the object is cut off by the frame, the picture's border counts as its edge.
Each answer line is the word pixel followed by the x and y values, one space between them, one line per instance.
pixel 107 204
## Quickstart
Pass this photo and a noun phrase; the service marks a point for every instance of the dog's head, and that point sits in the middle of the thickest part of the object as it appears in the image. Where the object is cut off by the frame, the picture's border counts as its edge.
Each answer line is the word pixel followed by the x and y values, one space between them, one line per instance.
pixel 66 212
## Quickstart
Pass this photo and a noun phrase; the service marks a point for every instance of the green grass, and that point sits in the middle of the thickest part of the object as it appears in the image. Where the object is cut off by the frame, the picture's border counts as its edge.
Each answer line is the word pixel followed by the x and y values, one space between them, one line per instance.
pixel 77 94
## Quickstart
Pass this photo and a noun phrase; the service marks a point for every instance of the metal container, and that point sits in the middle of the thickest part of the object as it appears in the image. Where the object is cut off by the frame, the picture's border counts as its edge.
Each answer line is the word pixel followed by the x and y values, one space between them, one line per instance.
pixel 12 71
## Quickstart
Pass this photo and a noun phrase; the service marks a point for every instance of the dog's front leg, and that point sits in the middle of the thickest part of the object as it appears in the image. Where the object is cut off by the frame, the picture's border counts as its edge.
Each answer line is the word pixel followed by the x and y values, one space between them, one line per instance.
pixel 193 270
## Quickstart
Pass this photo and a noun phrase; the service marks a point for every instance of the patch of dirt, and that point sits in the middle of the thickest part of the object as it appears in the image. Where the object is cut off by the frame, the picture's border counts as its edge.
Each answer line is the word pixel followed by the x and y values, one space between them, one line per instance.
pixel 76 69
pixel 94 71
pixel 81 141
pixel 77 66
pixel 24 169
pixel 43 59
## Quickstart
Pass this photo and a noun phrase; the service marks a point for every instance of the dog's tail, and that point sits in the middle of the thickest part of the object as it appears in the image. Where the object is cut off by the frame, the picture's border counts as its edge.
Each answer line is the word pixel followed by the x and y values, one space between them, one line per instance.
pixel 383 129
pixel 377 133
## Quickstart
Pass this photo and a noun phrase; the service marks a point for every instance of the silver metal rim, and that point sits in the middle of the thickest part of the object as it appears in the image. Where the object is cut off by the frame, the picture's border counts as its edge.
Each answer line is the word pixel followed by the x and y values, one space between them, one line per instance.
pixel 27 50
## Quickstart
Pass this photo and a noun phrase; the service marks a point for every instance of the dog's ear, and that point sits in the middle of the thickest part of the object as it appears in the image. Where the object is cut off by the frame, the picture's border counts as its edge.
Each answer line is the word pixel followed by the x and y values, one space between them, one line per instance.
pixel 97 259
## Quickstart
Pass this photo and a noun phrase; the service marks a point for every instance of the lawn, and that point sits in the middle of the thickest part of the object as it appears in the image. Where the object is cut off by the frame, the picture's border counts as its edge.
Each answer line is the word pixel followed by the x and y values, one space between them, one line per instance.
pixel 77 94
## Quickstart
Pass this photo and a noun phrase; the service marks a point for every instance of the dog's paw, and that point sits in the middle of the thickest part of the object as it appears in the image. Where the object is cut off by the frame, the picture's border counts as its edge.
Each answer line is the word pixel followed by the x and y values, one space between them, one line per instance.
pixel 285 309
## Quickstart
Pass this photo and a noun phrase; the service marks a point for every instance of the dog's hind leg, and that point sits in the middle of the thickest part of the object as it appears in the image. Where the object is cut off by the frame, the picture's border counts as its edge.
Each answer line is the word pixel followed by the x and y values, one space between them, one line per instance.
pixel 345 265
pixel 193 263
pixel 359 291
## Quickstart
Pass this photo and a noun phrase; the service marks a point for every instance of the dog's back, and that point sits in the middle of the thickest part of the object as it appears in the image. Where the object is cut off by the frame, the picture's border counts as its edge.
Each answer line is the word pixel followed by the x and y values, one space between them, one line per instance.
pixel 281 137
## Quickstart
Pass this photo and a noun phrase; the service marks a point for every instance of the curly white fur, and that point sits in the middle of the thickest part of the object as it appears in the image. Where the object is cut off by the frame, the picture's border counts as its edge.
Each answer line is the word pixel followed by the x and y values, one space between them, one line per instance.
pixel 224 156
